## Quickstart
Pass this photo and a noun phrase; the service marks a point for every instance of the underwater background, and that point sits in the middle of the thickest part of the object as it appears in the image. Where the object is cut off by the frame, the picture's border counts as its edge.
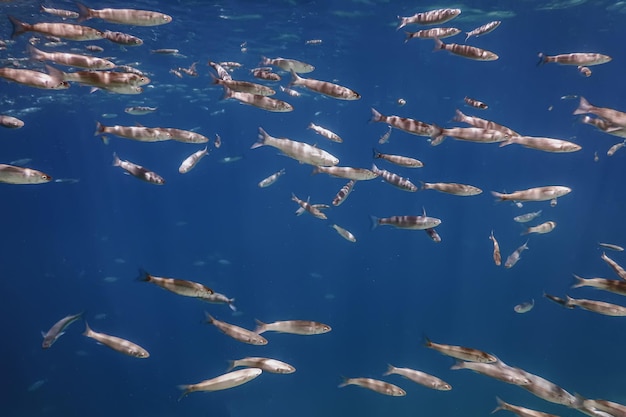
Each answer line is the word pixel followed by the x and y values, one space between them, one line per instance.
pixel 78 245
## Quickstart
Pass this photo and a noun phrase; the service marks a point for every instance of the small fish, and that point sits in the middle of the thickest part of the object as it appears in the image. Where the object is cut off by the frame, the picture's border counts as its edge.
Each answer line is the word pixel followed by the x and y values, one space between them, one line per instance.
pixel 524 307
pixel 515 256
pixel 164 51
pixel 10 122
pixel 308 207
pixel 466 51
pixel 617 268
pixel 611 246
pixel 332 136
pixel 122 38
pixel 385 137
pixel 376 385
pixel 461 352
pixel 138 171
pixel 403 161
pixel 433 235
pixel 140 110
pixel 313 42
pixel 343 193
pixel 584 71
pixel 419 377
pixel 266 182
pixel 483 30
pixel 615 148
pixel 475 103
pixel 546 227
pixel 117 343
pixel 433 33
pixel 576 58
pixel 267 364
pixel 192 160
pixel 177 286
pixel 299 327
pixel 452 188
pixel 406 222
pixel 497 258
pixel 58 330
pixel 344 233
pixel 300 151
pixel 236 332
pixel 523 218
pixel 36 385
pixel 520 411
pixel 497 370
pixel 218 141
pixel 64 14
pixel 324 87
pixel 288 64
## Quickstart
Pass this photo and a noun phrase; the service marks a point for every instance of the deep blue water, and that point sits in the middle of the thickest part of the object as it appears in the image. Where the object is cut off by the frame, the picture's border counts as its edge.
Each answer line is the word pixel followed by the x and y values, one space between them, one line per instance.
pixel 71 247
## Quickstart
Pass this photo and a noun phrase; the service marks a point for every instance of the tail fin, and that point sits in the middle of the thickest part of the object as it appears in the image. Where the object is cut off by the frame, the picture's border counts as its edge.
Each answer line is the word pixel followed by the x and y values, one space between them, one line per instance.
pixel 295 78
pixel 185 389
pixel 583 107
pixel 231 304
pixel 35 53
pixel 390 370
pixel 458 365
pixel 459 116
pixel 144 276
pixel 498 196
pixel 409 36
pixel 100 128
pixel 18 27
pixel 374 222
pixel 260 327
pixel 116 160
pixel 231 366
pixel 578 282
pixel 437 136
pixel 542 58
pixel 501 405
pixel 262 138
pixel 88 330
pixel 84 12
pixel 344 382
pixel 376 116
pixel 439 45
pixel 376 153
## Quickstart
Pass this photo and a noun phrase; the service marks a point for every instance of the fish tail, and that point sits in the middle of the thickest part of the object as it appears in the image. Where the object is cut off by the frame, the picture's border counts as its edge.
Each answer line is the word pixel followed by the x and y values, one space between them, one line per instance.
pixel 427 341
pixel 500 405
pixel 374 222
pixel 228 93
pixel 295 78
pixel 458 365
pixel 437 136
pixel 99 128
pixel 375 169
pixel 468 36
pixel 265 61
pixel 260 327
pixel 185 392
pixel 209 318
pixel 458 116
pixel 231 365
pixel 116 160
pixel 578 282
pixel 57 74
pixel 88 330
pixel 262 138
pixel 144 276
pixel 390 369
pixel 542 58
pixel 344 382
pixel 35 53
pixel 583 107
pixel 376 116
pixel 18 27
pixel 498 196
pixel 84 12
pixel 402 23
pixel 316 170
pixel 376 153
pixel 438 45
pixel 525 232
pixel 579 400
pixel 231 304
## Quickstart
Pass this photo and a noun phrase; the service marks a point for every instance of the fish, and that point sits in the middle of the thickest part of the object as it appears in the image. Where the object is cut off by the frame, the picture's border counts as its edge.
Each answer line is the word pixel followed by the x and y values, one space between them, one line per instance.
pixel 100 79
pixel 10 174
pixel 576 58
pixel 616 118
pixel 291 92
pixel 266 182
pixel 299 327
pixel 328 134
pixel 483 30
pixel 238 333
pixel 343 193
pixel 520 411
pixel 61 30
pixel 64 14
pixel 217 298
pixel 299 151
pixel 470 134
pixel 461 352
pixel 433 235
pixel 138 171
pixel 308 207
pixel 124 16
pixel 515 256
pixel 611 246
pixel 165 51
pixel 256 100
pixel 138 133
pixel 344 233
pixel 245 87
pixel 226 381
pixel 419 377
pixel 433 33
pixel 545 227
pixel 287 64
pixel 611 285
pixel 550 192
pixel 385 137
pixel 58 330
pixel 414 127
pixel 432 17
pixel 558 300
pixel 350 173
pixel 190 162
pixel 221 71
pixel 122 38
pixel 548 391
pixel 140 110
pixel 524 307
pixel 117 343
pixel 34 78
pixel 496 370
pixel 177 286
pixel 542 144
pixel 324 87
pixel 613 408
pixel 263 74
pixel 376 385
pixel 185 136
pixel 482 123
pixel 403 161
pixel 584 71
pixel 600 307
pixel 10 122
pixel 71 60
pixel 617 268
pixel 397 181
pixel 524 218
pixel 452 188
pixel 497 258
pixel 273 366
pixel 466 51
pixel 475 103
pixel 615 148
pixel 406 222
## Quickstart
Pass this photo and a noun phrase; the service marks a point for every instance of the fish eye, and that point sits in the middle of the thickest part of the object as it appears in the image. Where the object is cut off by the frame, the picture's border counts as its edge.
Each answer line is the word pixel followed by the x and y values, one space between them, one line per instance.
pixel 46 177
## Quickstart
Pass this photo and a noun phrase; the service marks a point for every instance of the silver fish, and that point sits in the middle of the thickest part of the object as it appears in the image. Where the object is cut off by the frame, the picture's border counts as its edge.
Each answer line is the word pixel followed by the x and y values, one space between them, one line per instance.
pixel 58 330
pixel 376 385
pixel 226 381
pixel 117 343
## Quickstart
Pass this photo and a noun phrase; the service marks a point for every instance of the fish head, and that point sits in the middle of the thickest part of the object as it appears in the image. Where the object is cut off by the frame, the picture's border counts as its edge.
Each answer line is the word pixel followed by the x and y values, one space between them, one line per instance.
pixel 139 353
pixel 562 190
pixel 61 85
pixel 432 222
pixel 139 80
pixel 164 19
pixel 324 329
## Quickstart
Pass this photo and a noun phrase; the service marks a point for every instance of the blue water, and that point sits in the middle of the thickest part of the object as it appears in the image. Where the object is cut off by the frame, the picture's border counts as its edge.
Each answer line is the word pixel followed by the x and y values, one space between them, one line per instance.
pixel 70 247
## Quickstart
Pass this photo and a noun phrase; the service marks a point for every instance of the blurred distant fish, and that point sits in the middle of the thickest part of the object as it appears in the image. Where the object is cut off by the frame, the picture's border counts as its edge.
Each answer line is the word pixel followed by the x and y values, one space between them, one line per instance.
pixel 288 64
pixel 300 327
pixel 266 182
pixel 497 258
pixel 524 307
pixel 461 352
pixel 117 343
pixel 259 101
pixel 164 51
pixel 515 256
pixel 433 235
pixel 10 122
pixel 36 385
pixel 385 137
pixel 419 377
pixel 217 298
pixel 520 411
pixel 236 332
pixel 523 218
pixel 496 370
pixel 58 330
pixel 406 222
pixel 432 17
pixel 615 148
pixel 124 16
pixel 558 300
pixel 140 110
pixel 576 58
pixel 545 227
pixel 375 385
pixel 343 193
pixel 603 245
pixel 344 233
pixel 21 162
pixel 475 103
pixel 328 134
pixel 64 14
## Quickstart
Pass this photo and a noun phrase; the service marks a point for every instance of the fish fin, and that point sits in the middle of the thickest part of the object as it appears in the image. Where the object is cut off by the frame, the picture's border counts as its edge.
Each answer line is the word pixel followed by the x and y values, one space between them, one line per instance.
pixel 376 153
pixel 437 137
pixel 344 382
pixel 583 106
pixel 578 281
pixel 260 326
pixel 231 304
pixel 18 27
pixel 542 58
pixel 208 318
pixel 499 196
pixel 376 116
pixel 457 365
pixel 390 369
pixel 409 36
pixel 262 136
pixel 438 45
pixel 295 78
pixel 186 391
pixel 316 170
pixel 299 212
pixel 231 365
pixel 55 73
pixel 458 116
pixel 84 12
pixel 88 330
pixel 374 222
pixel 500 405
pixel 468 36
pixel 116 160
pixel 43 334
pixel 144 276
pixel 579 400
